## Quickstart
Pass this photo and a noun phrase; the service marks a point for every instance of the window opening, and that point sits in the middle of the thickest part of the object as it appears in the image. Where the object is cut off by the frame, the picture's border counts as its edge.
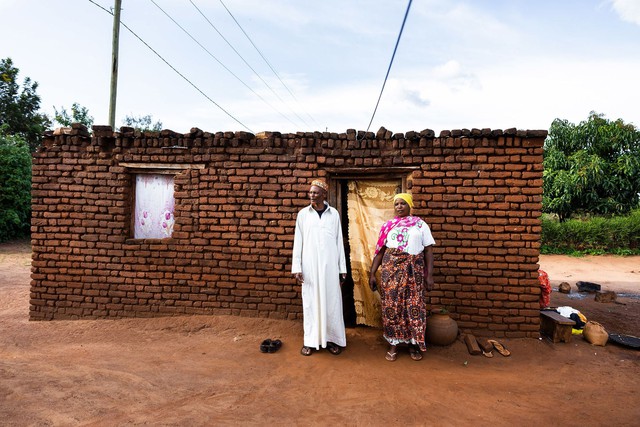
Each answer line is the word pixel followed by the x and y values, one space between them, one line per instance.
pixel 154 206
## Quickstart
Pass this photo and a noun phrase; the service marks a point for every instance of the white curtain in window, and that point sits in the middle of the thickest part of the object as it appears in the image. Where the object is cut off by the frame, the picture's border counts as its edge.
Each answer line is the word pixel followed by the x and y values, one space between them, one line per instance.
pixel 154 206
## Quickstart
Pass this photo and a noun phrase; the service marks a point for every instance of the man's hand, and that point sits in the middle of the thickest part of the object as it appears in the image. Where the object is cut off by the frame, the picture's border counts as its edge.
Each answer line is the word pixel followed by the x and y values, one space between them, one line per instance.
pixel 299 278
pixel 343 277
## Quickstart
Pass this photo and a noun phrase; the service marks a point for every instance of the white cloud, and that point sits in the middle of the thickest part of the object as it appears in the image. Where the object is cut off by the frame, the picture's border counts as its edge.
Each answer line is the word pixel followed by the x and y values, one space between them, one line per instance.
pixel 628 10
pixel 452 74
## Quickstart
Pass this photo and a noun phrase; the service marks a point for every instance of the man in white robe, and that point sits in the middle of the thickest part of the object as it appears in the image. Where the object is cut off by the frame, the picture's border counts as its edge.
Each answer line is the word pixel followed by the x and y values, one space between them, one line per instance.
pixel 319 266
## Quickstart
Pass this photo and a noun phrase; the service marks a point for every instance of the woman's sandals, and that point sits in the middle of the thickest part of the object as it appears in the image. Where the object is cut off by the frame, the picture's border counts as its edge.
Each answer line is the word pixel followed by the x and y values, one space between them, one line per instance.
pixel 415 353
pixel 392 354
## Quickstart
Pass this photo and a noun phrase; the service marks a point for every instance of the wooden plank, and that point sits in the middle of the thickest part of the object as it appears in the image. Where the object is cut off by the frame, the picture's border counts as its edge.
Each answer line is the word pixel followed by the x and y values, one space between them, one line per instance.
pixel 172 166
pixel 485 345
pixel 472 344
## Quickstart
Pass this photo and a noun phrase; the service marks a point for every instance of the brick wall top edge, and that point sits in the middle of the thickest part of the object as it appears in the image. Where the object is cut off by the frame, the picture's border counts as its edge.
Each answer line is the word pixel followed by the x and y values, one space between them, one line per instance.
pixel 380 134
pixel 100 133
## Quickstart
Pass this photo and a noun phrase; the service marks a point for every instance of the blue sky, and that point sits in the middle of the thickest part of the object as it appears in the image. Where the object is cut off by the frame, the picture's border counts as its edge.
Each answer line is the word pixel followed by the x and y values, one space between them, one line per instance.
pixel 460 64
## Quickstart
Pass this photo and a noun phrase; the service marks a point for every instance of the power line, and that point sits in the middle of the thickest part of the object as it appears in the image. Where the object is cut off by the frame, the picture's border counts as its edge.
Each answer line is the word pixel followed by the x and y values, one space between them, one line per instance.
pixel 390 63
pixel 241 57
pixel 265 59
pixel 175 70
pixel 220 62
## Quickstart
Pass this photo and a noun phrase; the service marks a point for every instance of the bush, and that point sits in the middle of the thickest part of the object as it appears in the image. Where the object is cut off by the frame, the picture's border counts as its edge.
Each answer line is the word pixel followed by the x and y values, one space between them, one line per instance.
pixel 15 187
pixel 595 235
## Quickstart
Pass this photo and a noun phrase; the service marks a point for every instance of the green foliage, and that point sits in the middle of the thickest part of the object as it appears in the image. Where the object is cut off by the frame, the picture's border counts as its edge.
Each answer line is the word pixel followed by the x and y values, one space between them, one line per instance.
pixel 15 186
pixel 79 114
pixel 591 168
pixel 143 123
pixel 593 235
pixel 19 109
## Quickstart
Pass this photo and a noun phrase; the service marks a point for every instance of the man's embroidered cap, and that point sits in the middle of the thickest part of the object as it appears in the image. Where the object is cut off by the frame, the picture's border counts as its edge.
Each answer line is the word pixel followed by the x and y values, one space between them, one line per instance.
pixel 320 183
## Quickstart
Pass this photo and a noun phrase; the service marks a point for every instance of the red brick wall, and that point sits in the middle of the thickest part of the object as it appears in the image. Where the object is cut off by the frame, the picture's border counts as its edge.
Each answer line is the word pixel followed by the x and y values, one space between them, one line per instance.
pixel 230 253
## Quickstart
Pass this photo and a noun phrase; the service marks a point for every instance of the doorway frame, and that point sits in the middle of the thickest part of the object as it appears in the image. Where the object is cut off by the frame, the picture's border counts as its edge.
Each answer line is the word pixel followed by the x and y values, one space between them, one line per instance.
pixel 336 177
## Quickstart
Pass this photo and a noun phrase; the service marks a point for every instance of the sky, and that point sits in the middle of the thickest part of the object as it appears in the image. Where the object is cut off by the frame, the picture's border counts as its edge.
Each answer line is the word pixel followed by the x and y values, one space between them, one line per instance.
pixel 302 65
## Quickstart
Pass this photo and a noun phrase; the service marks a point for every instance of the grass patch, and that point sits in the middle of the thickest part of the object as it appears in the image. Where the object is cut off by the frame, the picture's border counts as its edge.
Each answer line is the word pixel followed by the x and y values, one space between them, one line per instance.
pixel 592 236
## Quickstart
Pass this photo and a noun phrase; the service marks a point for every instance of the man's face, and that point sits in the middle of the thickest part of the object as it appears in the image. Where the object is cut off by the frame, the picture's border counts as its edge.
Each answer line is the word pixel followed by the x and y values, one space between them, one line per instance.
pixel 316 195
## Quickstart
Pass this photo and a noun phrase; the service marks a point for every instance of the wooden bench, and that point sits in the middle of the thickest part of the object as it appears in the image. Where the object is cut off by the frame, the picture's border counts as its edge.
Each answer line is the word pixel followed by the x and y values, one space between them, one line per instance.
pixel 555 326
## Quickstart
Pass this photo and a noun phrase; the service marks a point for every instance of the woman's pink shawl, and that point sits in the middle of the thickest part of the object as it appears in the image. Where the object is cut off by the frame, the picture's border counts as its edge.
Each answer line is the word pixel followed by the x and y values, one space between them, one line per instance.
pixel 405 221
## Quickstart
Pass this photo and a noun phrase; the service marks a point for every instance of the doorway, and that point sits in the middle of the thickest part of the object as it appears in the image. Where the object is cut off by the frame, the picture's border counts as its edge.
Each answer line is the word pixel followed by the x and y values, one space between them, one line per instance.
pixel 364 204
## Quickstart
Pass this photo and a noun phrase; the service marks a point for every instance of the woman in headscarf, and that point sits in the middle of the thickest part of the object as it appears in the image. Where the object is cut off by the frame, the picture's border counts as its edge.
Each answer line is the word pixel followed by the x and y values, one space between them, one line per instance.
pixel 404 250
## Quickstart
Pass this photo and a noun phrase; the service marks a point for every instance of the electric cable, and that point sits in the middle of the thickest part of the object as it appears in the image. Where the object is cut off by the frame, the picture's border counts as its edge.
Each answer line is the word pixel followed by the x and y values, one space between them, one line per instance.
pixel 242 58
pixel 265 59
pixel 390 63
pixel 175 70
pixel 221 64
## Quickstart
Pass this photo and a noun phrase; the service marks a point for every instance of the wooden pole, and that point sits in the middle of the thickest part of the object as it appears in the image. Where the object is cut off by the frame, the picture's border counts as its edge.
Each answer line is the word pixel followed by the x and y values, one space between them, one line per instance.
pixel 114 63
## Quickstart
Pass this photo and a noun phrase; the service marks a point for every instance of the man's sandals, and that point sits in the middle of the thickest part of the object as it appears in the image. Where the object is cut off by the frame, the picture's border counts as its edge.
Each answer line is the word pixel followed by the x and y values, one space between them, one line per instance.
pixel 334 349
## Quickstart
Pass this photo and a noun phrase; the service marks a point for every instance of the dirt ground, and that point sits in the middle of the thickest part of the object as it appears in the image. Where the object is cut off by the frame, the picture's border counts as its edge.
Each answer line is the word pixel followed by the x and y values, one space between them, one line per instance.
pixel 207 370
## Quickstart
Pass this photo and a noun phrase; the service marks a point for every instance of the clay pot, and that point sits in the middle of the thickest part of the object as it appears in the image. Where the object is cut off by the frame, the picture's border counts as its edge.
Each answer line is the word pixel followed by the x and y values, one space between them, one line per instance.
pixel 441 328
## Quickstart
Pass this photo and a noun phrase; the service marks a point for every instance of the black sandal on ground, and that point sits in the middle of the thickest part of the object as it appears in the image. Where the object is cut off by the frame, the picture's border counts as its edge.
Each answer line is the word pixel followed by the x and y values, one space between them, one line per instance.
pixel 306 351
pixel 264 347
pixel 275 346
pixel 334 349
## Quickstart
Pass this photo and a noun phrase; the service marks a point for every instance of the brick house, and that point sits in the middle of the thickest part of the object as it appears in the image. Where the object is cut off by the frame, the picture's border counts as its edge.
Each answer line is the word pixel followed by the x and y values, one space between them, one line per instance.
pixel 234 198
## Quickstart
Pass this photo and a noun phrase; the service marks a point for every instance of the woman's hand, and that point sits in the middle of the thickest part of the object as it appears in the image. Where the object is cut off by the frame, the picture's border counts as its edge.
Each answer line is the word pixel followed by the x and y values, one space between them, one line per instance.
pixel 428 279
pixel 373 283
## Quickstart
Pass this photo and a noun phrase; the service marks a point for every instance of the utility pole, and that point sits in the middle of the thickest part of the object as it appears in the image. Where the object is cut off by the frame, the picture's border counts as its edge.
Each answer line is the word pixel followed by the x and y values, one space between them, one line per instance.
pixel 114 63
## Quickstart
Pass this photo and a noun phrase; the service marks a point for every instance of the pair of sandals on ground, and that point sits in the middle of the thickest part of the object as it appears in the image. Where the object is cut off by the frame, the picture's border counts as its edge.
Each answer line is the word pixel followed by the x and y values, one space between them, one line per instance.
pixel 414 353
pixel 333 348
pixel 392 354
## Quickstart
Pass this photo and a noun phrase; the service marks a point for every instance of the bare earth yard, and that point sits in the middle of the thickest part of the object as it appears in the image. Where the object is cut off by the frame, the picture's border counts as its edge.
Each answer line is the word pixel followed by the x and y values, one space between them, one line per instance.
pixel 207 370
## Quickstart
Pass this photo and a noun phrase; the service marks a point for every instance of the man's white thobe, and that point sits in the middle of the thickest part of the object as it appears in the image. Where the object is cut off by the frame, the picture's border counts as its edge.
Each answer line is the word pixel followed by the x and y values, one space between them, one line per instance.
pixel 318 254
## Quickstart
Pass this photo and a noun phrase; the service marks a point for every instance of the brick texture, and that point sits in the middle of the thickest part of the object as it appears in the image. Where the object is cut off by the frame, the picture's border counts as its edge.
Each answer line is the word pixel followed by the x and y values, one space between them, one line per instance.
pixel 479 190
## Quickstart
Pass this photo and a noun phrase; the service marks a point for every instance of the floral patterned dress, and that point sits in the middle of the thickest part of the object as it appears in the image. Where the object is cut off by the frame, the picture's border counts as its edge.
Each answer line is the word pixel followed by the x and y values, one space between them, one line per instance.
pixel 402 291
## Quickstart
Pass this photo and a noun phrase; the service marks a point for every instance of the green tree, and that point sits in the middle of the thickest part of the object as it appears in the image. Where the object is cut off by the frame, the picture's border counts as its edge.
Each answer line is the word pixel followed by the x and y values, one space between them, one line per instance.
pixel 19 108
pixel 79 114
pixel 15 186
pixel 143 123
pixel 591 168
